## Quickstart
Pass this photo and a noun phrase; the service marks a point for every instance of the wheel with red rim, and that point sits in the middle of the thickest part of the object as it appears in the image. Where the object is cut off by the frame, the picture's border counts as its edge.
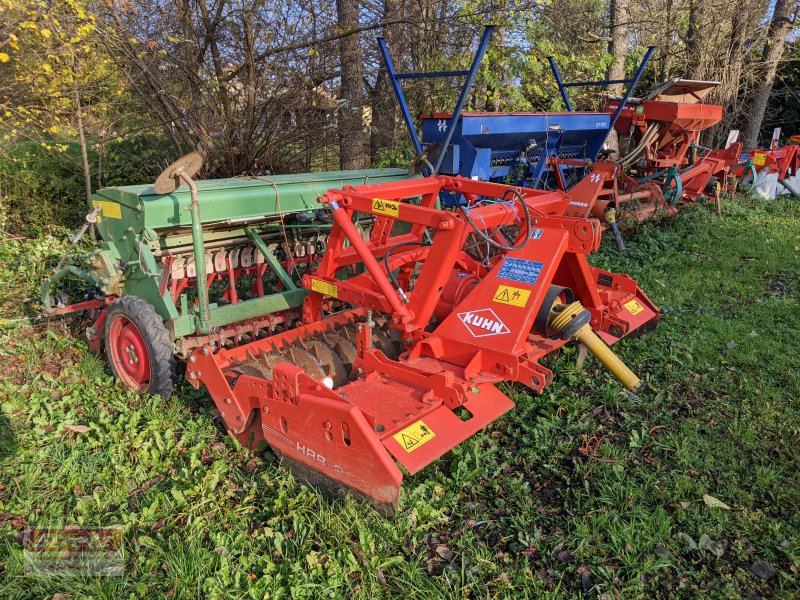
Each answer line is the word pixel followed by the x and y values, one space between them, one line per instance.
pixel 138 347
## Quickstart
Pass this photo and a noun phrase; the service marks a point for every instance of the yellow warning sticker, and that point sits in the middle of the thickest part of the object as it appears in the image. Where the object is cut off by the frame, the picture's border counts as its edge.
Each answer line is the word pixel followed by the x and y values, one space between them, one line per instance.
pixel 390 208
pixel 759 158
pixel 512 296
pixel 413 436
pixel 111 210
pixel 634 307
pixel 323 287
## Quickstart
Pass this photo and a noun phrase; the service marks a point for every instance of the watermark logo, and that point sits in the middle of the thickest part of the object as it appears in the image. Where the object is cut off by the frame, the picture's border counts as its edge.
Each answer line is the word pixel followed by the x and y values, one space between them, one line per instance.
pixel 73 549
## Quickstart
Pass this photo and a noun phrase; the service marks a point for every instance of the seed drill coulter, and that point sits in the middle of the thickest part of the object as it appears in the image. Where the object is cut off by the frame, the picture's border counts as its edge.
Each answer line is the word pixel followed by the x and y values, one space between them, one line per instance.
pixel 344 319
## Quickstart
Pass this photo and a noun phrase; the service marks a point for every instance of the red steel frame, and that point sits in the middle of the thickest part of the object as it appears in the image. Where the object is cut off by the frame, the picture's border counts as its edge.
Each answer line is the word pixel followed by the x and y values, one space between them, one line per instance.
pixel 350 436
pixel 785 160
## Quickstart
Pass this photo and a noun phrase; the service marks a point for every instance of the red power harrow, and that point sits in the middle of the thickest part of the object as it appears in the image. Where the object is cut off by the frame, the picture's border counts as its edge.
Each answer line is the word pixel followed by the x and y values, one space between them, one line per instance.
pixel 446 304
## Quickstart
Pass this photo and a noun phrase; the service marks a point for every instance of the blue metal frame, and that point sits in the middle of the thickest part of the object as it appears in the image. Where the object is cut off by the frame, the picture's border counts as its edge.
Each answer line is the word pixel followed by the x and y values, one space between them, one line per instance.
pixel 395 78
pixel 495 146
pixel 562 87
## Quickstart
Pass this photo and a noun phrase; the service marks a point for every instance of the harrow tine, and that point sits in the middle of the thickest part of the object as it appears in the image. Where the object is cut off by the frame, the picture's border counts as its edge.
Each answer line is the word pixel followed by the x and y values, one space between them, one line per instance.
pixel 328 358
pixel 306 361
pixel 346 350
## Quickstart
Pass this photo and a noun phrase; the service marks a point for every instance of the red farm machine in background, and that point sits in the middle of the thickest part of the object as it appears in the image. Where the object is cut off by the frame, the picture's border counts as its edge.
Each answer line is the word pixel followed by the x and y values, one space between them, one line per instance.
pixel 659 142
pixel 772 172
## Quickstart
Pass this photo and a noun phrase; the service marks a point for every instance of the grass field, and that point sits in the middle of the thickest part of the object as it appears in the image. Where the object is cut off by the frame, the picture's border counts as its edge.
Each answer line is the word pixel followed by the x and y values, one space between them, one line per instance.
pixel 691 490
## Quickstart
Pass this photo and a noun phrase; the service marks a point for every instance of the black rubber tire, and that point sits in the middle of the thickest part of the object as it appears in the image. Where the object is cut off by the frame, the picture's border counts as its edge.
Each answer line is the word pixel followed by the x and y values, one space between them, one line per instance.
pixel 163 375
pixel 711 186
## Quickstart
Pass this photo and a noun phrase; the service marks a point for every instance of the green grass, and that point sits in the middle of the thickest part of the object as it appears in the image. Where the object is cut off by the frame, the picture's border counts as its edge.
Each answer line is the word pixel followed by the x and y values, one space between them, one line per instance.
pixel 582 491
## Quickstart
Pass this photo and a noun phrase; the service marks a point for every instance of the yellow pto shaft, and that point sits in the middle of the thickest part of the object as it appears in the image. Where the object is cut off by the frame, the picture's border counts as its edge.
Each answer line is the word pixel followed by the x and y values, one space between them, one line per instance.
pixel 572 322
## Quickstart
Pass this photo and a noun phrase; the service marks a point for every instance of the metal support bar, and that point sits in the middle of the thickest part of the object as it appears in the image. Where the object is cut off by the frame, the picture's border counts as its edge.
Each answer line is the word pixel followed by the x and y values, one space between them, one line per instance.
pixel 559 81
pixel 395 77
pixel 47 301
pixel 600 82
pixel 401 99
pixel 204 312
pixel 241 311
pixel 378 275
pixel 431 74
pixel 562 87
pixel 271 259
pixel 465 89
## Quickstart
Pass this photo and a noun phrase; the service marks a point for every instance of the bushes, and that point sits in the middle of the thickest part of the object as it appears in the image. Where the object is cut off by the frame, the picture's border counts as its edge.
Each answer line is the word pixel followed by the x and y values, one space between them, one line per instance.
pixel 40 188
pixel 136 159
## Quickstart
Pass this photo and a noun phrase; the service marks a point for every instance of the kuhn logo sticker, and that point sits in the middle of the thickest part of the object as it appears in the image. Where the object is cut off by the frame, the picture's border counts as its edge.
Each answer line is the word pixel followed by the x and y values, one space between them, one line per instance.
pixel 483 322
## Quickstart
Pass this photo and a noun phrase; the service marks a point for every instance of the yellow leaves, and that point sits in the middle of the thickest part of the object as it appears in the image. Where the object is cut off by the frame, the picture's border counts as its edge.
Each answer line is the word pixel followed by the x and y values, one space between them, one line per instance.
pixel 45 33
pixel 4 58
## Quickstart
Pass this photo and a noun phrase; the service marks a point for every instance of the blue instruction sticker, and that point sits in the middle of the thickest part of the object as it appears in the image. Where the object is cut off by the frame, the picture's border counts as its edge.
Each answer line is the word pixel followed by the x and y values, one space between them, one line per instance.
pixel 521 270
pixel 536 234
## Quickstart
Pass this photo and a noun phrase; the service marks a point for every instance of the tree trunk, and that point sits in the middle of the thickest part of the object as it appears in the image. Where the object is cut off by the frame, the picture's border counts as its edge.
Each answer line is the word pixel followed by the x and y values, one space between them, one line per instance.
pixel 694 43
pixel 618 44
pixel 352 153
pixel 617 47
pixel 779 27
pixel 87 172
pixel 730 80
pixel 665 43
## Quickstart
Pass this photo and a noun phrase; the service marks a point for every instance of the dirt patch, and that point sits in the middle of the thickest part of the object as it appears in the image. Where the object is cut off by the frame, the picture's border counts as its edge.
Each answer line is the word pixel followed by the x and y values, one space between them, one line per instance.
pixel 782 284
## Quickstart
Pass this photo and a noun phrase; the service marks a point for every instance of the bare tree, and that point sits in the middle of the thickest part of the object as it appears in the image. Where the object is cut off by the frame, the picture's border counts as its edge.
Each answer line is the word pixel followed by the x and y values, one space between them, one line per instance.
pixel 352 153
pixel 779 26
pixel 205 69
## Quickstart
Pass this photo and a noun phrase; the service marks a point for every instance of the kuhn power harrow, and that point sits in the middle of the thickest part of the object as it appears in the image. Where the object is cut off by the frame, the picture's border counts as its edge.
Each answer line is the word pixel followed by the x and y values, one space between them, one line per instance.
pixel 442 305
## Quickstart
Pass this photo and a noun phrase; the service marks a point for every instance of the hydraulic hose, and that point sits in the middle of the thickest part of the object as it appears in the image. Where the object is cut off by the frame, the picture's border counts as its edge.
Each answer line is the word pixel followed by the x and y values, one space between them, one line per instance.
pixel 611 219
pixel 649 135
pixel 389 273
pixel 490 239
